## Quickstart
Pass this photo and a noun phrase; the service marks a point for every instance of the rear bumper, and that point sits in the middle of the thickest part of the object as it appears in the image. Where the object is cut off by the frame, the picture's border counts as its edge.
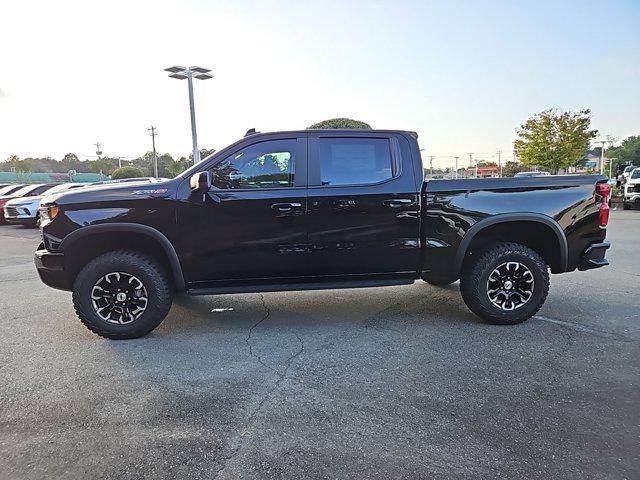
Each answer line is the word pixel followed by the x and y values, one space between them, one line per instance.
pixel 593 256
pixel 50 266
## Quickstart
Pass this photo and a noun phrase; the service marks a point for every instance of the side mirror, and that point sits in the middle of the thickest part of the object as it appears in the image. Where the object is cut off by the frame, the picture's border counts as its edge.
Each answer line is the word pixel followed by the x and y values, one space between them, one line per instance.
pixel 200 182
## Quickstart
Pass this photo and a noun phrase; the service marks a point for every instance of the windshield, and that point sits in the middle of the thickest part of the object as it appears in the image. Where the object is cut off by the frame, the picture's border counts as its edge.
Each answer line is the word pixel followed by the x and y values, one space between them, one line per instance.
pixel 24 190
pixel 8 189
pixel 628 169
pixel 64 186
pixel 635 173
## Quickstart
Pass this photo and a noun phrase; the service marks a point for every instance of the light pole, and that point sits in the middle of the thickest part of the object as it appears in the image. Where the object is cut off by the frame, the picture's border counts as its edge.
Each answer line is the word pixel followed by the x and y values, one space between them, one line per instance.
pixel 189 74
pixel 602 144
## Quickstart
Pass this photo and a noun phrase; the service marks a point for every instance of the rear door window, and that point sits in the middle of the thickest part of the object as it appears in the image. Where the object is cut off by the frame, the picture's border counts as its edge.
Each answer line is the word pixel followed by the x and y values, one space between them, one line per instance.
pixel 355 161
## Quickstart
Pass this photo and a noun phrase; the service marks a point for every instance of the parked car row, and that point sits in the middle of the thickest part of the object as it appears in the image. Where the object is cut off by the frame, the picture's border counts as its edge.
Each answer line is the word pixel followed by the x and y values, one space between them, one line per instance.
pixel 631 189
pixel 624 172
pixel 20 203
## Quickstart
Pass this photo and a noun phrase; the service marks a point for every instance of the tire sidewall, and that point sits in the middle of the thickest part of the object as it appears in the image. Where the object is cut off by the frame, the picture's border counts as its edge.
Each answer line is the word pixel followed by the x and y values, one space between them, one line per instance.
pixel 484 308
pixel 139 266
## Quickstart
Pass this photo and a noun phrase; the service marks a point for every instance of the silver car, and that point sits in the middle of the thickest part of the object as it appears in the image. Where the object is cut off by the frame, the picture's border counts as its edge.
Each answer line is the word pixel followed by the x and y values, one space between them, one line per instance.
pixel 24 210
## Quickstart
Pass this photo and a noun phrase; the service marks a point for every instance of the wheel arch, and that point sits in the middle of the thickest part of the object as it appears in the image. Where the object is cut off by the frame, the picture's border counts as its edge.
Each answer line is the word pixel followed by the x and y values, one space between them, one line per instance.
pixel 559 264
pixel 164 245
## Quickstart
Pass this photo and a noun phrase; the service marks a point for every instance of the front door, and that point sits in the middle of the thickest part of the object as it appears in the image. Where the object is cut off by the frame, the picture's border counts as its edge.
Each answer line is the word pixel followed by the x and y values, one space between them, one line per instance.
pixel 363 206
pixel 251 225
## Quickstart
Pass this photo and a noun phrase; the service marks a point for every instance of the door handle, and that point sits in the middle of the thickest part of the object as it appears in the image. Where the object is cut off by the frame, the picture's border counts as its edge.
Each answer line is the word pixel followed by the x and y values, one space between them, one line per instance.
pixel 397 202
pixel 285 207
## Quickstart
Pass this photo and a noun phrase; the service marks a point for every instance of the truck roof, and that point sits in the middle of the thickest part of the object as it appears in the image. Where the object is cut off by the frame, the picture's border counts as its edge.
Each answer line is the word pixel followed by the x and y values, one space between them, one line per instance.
pixel 334 130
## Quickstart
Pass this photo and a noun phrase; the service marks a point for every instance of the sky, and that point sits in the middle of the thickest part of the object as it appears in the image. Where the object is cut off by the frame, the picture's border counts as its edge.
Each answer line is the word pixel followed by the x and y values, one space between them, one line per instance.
pixel 462 74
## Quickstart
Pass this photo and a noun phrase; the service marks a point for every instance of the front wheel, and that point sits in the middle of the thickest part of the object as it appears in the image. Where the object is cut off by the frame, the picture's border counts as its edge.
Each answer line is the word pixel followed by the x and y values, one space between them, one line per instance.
pixel 122 294
pixel 506 284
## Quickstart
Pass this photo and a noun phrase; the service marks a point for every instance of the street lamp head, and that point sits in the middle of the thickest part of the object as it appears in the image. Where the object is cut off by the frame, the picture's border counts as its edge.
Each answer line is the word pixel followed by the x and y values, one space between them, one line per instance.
pixel 179 76
pixel 200 69
pixel 203 76
pixel 175 69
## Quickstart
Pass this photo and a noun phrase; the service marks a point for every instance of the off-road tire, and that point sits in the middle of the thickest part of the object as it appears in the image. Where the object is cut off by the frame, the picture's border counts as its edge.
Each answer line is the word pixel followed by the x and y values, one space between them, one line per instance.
pixel 143 267
pixel 475 276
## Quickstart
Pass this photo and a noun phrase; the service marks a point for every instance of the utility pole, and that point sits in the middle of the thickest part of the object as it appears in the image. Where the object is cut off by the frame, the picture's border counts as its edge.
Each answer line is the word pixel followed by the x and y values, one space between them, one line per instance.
pixel 500 162
pixel 98 151
pixel 155 155
pixel 431 164
pixel 471 162
pixel 457 166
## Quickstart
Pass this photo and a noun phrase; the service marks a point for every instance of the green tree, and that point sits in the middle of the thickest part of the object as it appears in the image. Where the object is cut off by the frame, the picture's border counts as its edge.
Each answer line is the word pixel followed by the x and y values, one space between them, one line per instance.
pixel 554 139
pixel 204 153
pixel 105 165
pixel 627 152
pixel 511 168
pixel 340 123
pixel 126 172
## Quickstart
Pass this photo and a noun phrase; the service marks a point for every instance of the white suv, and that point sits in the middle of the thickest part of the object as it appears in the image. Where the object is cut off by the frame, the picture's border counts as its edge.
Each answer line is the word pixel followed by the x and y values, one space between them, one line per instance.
pixel 631 194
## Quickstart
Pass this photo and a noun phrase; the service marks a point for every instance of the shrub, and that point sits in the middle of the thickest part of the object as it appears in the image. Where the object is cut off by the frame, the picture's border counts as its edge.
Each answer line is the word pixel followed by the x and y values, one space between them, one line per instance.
pixel 340 123
pixel 126 172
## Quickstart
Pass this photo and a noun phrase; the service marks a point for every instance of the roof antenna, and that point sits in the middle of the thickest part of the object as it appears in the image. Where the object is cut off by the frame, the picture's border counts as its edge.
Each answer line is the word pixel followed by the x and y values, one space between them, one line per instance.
pixel 251 131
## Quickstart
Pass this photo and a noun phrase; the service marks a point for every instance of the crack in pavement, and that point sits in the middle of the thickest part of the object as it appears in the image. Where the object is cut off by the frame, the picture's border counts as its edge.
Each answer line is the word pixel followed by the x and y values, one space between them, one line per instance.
pixel 253 327
pixel 280 378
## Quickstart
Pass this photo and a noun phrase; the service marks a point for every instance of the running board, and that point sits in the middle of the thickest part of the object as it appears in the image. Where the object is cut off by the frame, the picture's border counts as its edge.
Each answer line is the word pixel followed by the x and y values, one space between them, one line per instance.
pixel 286 287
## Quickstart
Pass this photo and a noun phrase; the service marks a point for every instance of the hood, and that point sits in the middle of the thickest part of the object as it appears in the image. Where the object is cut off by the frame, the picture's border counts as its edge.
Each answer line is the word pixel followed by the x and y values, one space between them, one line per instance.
pixel 113 192
pixel 24 201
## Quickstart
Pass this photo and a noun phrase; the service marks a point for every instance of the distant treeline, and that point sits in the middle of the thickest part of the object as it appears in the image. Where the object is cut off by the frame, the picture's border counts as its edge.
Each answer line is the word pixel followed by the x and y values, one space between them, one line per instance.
pixel 167 165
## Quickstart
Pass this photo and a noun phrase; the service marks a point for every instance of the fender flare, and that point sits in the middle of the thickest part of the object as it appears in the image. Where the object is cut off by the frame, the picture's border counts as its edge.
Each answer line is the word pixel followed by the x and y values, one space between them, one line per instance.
pixel 514 217
pixel 167 246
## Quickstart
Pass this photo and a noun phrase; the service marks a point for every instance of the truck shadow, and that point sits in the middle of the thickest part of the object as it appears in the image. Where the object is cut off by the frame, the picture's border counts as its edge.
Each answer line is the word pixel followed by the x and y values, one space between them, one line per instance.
pixel 417 303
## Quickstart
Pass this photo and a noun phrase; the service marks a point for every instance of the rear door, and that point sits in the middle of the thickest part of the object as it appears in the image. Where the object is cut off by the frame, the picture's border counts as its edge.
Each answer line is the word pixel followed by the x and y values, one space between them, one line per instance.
pixel 363 205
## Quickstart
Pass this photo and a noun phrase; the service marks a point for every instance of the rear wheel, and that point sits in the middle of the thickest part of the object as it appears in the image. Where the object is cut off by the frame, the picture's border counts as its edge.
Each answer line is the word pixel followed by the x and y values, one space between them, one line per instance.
pixel 122 294
pixel 506 284
pixel 625 205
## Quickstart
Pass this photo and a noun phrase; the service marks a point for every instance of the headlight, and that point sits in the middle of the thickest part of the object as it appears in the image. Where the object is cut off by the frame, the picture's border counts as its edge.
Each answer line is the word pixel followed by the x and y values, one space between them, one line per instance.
pixel 49 212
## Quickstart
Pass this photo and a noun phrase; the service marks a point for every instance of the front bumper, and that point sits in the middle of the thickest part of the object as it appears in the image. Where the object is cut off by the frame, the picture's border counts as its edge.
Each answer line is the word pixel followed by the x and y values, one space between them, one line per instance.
pixel 50 266
pixel 632 197
pixel 593 256
pixel 22 215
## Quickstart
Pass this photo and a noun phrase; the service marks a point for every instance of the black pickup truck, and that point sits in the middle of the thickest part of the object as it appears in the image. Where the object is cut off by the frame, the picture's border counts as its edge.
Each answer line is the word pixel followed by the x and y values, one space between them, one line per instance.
pixel 316 209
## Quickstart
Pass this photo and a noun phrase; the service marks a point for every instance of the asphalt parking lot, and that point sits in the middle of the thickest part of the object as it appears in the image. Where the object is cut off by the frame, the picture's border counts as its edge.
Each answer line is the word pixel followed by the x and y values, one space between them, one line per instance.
pixel 397 382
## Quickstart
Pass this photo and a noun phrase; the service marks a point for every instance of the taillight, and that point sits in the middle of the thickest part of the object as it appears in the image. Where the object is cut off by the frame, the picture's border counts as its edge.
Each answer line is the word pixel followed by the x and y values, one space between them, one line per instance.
pixel 604 190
